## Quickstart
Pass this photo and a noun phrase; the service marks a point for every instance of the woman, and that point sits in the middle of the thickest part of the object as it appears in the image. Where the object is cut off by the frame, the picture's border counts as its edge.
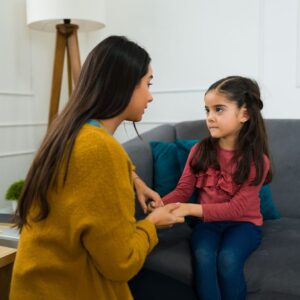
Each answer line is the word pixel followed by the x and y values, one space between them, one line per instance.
pixel 79 238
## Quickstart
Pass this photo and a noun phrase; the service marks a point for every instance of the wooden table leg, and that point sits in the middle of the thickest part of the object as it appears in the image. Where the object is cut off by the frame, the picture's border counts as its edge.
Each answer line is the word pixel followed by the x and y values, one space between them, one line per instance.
pixel 5 279
pixel 7 257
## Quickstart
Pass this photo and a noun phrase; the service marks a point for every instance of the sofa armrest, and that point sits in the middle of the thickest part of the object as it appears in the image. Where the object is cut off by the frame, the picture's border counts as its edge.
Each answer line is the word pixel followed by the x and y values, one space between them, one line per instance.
pixel 140 154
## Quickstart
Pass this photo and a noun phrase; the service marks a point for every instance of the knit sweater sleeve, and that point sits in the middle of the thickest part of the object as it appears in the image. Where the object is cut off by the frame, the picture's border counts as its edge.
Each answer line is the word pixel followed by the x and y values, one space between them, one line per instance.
pixel 102 186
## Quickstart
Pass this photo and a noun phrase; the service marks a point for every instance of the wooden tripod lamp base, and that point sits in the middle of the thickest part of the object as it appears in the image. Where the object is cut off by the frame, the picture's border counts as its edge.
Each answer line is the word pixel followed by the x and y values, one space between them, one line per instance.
pixel 66 41
pixel 44 15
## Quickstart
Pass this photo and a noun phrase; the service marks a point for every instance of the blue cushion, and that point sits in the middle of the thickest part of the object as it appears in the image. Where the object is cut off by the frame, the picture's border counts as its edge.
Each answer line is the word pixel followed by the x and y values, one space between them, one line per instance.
pixel 166 170
pixel 183 150
pixel 267 207
pixel 169 159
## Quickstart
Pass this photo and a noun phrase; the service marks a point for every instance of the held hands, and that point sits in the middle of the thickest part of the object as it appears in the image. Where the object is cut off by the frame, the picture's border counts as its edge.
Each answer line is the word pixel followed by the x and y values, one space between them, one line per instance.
pixel 163 217
pixel 184 209
pixel 151 206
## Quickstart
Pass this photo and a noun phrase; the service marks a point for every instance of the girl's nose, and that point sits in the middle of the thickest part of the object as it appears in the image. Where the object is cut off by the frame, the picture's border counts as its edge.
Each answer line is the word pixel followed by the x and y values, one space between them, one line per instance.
pixel 209 116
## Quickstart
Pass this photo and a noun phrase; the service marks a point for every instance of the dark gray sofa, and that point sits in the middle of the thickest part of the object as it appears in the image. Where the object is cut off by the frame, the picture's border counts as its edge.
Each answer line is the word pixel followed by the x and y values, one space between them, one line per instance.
pixel 273 271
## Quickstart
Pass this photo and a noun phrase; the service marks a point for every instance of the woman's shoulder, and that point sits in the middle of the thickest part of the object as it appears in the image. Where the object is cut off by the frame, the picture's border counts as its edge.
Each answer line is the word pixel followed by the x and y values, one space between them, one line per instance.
pixel 96 136
pixel 94 140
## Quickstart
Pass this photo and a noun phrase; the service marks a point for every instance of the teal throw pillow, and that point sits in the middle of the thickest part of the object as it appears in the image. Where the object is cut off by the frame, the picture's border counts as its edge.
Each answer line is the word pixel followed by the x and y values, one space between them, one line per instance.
pixel 166 170
pixel 183 149
pixel 169 159
pixel 267 207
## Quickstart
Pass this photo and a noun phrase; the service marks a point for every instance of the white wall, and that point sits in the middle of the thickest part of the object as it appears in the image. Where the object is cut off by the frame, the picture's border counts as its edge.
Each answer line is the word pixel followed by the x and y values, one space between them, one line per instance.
pixel 192 44
pixel 26 60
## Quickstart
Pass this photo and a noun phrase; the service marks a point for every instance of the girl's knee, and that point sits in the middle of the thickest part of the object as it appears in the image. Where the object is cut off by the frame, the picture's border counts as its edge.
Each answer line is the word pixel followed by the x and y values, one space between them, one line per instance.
pixel 228 262
pixel 204 256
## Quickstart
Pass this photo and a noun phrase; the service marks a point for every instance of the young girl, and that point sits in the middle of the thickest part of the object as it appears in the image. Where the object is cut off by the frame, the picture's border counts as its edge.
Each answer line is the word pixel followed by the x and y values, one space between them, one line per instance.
pixel 79 238
pixel 228 167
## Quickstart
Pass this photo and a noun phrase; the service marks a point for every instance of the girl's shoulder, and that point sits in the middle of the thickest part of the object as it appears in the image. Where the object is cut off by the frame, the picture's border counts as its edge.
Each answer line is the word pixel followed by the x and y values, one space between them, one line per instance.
pixel 196 148
pixel 266 161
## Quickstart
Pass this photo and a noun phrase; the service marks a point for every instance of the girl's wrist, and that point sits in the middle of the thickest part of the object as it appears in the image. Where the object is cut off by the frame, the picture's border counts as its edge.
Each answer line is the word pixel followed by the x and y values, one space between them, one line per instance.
pixel 188 208
pixel 196 210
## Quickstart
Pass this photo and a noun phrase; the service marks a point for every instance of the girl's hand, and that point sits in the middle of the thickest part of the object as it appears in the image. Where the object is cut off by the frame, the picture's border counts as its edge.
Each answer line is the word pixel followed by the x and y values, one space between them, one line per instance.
pixel 163 217
pixel 144 194
pixel 183 210
pixel 189 209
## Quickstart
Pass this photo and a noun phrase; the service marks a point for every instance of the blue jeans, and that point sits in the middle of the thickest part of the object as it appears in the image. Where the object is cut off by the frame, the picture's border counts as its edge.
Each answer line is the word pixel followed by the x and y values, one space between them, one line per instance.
pixel 220 250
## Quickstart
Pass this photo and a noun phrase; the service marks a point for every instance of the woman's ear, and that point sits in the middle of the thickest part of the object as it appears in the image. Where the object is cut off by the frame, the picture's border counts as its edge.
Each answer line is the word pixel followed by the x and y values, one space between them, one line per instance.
pixel 244 115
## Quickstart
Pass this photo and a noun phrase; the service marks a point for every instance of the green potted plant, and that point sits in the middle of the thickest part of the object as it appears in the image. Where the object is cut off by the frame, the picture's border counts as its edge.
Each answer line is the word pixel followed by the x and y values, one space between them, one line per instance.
pixel 13 193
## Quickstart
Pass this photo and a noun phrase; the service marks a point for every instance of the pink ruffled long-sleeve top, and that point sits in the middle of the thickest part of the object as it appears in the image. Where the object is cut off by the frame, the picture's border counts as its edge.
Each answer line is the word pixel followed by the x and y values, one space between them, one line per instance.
pixel 221 198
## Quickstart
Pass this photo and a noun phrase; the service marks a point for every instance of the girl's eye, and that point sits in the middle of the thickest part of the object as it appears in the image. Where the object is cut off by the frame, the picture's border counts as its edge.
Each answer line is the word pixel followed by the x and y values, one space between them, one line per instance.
pixel 149 84
pixel 206 110
pixel 219 109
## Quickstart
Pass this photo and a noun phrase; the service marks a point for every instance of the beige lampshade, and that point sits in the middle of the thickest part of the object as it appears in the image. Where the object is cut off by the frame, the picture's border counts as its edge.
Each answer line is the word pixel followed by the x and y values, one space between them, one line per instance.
pixel 46 14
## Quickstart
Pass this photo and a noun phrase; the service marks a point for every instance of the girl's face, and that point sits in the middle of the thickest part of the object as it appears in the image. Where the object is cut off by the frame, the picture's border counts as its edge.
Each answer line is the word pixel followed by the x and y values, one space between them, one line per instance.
pixel 140 98
pixel 224 119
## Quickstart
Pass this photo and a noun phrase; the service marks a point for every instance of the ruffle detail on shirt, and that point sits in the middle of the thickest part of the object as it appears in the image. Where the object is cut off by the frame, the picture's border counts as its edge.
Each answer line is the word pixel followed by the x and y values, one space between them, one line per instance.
pixel 219 180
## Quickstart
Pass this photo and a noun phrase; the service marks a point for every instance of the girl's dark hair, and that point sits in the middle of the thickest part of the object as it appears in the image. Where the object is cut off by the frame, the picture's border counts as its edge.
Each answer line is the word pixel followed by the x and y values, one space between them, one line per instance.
pixel 252 139
pixel 104 89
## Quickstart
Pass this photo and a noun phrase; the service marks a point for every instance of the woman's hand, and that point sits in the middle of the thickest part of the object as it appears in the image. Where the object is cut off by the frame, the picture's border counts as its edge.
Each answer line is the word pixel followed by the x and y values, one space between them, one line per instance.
pixel 144 194
pixel 151 206
pixel 163 217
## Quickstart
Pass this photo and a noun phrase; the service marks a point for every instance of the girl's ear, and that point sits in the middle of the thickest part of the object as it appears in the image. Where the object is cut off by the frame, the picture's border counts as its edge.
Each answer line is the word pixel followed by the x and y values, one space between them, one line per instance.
pixel 244 115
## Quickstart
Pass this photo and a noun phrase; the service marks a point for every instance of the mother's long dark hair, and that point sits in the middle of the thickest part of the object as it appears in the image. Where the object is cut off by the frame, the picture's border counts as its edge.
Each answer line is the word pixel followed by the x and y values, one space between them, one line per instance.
pixel 251 142
pixel 105 86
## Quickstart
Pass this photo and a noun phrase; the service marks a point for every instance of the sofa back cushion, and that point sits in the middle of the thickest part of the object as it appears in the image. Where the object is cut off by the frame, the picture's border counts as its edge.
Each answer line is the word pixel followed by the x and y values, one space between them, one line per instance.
pixel 166 169
pixel 169 160
pixel 285 157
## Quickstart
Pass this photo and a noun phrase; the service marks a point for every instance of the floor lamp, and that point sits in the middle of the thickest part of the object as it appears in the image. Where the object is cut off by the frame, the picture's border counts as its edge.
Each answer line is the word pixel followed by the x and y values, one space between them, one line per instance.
pixel 65 17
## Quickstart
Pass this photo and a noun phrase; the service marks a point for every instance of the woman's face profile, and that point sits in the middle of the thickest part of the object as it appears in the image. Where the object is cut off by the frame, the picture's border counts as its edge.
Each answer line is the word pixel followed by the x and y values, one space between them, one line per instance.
pixel 140 98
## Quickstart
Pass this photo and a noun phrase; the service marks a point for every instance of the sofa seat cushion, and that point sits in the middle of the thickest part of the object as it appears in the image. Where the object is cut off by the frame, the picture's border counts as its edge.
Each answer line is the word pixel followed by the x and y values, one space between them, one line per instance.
pixel 275 265
pixel 172 255
pixel 271 296
pixel 264 270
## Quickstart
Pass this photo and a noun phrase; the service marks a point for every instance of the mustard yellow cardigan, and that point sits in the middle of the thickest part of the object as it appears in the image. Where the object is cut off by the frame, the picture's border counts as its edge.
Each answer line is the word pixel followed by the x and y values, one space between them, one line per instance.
pixel 90 244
